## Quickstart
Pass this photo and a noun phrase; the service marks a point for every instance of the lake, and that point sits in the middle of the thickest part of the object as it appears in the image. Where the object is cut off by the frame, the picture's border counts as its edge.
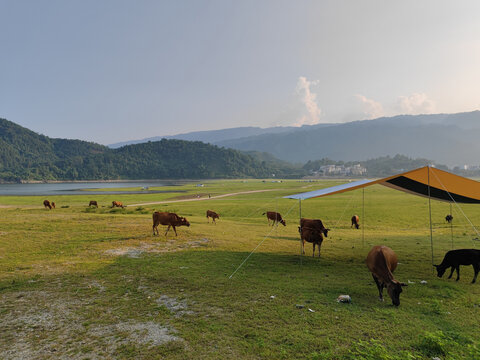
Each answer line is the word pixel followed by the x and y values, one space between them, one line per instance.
pixel 79 188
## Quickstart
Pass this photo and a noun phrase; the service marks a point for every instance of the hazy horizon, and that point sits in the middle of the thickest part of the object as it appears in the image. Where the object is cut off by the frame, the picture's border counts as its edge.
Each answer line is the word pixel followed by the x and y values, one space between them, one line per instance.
pixel 112 71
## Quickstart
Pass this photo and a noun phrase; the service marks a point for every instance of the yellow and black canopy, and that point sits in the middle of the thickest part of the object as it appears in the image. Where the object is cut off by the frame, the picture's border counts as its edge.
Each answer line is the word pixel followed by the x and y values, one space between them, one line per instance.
pixel 426 181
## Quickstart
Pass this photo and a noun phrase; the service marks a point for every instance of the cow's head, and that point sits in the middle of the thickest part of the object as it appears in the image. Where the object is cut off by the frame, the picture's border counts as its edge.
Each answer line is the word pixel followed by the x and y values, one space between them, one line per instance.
pixel 357 226
pixel 440 270
pixel 325 232
pixel 184 221
pixel 283 222
pixel 394 290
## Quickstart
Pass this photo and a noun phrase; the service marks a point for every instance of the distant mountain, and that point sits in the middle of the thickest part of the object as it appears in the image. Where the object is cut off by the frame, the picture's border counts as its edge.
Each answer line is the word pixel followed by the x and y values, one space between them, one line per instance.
pixel 451 139
pixel 210 136
pixel 26 155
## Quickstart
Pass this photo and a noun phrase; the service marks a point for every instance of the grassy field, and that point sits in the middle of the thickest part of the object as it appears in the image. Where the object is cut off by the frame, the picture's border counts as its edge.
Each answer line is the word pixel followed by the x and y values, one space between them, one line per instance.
pixel 85 283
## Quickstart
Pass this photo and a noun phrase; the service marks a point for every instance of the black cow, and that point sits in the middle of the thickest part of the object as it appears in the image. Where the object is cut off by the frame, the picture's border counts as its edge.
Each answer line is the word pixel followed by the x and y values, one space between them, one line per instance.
pixel 455 258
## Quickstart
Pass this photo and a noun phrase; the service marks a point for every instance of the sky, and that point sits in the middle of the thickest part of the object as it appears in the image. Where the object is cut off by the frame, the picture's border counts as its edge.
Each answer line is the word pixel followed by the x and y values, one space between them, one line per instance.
pixel 115 70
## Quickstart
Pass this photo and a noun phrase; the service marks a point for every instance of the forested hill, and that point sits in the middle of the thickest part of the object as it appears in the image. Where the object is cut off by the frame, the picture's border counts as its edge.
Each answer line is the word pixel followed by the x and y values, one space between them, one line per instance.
pixel 26 155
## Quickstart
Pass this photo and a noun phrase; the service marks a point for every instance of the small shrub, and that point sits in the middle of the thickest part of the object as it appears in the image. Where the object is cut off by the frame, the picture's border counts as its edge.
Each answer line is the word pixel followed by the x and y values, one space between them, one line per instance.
pixel 433 344
pixel 374 350
pixel 370 350
pixel 65 206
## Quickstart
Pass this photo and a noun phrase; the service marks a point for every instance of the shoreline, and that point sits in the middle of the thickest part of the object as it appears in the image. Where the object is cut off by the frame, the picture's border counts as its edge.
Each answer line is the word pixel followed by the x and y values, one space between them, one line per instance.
pixel 100 181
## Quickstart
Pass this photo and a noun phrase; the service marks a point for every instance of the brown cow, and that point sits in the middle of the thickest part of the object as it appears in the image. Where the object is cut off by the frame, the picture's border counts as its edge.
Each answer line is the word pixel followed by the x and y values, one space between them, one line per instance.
pixel 117 204
pixel 355 221
pixel 93 202
pixel 311 235
pixel 170 219
pixel 275 217
pixel 47 204
pixel 313 224
pixel 213 215
pixel 382 262
pixel 53 204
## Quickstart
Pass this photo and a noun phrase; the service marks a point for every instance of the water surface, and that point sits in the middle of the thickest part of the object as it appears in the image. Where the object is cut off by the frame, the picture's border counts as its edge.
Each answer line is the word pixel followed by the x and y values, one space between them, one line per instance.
pixel 80 188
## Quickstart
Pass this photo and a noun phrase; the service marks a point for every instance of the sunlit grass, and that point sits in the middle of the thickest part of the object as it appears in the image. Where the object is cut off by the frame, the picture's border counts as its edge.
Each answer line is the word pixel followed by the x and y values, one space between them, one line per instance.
pixel 73 256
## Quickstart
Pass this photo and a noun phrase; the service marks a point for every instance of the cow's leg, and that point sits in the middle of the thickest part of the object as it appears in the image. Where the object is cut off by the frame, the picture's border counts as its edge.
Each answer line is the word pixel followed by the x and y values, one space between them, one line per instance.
pixel 313 255
pixel 319 247
pixel 458 273
pixel 476 268
pixel 168 228
pixel 303 246
pixel 153 227
pixel 451 272
pixel 379 287
pixel 173 226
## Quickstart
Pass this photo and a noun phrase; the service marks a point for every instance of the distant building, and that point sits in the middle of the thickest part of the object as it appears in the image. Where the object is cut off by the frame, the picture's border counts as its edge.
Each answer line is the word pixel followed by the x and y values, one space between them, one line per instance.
pixel 341 170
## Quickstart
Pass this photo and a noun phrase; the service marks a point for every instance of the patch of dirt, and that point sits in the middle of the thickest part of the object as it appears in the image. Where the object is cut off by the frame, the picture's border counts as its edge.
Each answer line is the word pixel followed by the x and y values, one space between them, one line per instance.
pixel 146 333
pixel 2 233
pixel 178 307
pixel 190 196
pixel 162 247
pixel 43 325
pixel 129 252
pixel 196 243
pixel 97 285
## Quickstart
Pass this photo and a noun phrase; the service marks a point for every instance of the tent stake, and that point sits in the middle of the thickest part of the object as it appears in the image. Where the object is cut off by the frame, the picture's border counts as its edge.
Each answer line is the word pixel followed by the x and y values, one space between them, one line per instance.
pixel 430 212
pixel 451 225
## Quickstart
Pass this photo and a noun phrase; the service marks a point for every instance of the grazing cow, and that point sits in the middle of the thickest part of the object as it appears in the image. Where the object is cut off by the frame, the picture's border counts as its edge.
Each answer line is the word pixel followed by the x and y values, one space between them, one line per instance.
pixel 355 221
pixel 47 204
pixel 53 205
pixel 455 258
pixel 448 218
pixel 170 219
pixel 275 217
pixel 93 202
pixel 382 261
pixel 117 204
pixel 313 224
pixel 311 235
pixel 213 215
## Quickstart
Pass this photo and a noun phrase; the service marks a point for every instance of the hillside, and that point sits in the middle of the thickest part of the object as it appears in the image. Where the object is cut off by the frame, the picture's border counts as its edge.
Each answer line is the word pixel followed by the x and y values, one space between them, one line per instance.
pixel 451 139
pixel 445 138
pixel 211 136
pixel 26 155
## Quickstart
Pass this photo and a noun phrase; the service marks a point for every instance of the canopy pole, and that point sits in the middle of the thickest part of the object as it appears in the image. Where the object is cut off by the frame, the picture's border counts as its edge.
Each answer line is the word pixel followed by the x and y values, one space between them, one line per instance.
pixel 300 223
pixel 363 217
pixel 451 225
pixel 430 212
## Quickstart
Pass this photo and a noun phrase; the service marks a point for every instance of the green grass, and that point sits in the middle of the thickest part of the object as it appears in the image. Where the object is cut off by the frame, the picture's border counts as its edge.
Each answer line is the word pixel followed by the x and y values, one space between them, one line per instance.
pixel 67 290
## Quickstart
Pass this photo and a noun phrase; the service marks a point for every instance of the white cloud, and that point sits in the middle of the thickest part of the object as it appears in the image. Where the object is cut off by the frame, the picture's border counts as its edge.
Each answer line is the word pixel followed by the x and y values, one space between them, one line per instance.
pixel 308 98
pixel 417 103
pixel 371 108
